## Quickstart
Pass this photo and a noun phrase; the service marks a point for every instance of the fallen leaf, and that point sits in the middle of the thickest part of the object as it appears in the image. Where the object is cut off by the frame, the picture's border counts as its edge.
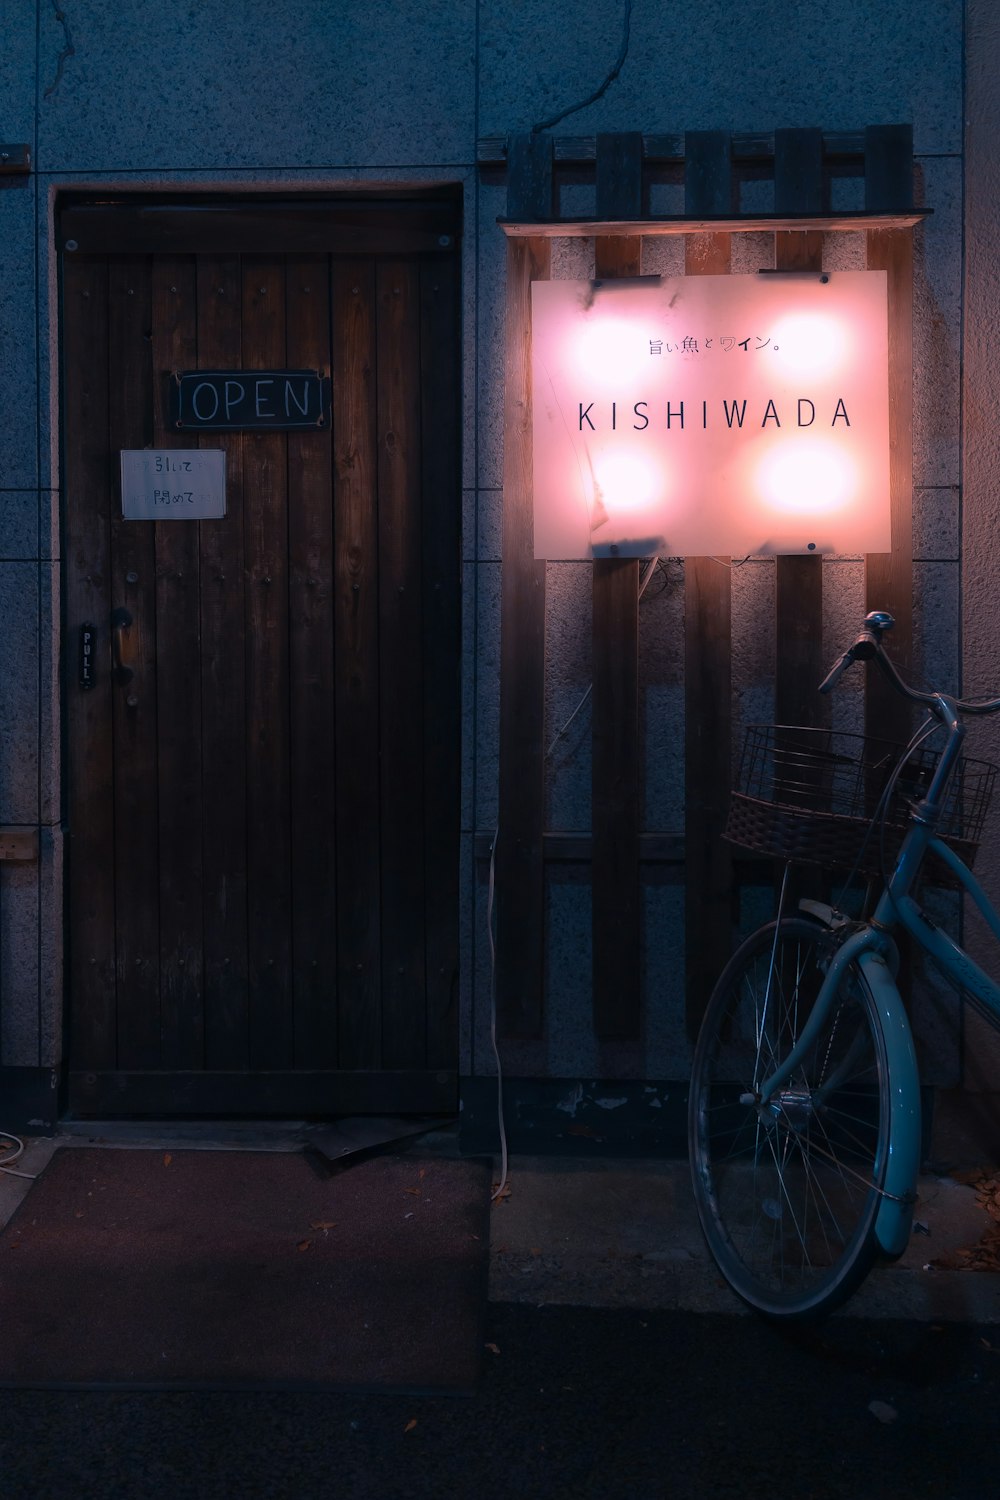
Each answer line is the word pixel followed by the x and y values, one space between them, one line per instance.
pixel 422 1173
pixel 415 1192
pixel 493 1348
pixel 325 1224
pixel 410 1425
pixel 303 1244
pixel 883 1411
pixel 167 1158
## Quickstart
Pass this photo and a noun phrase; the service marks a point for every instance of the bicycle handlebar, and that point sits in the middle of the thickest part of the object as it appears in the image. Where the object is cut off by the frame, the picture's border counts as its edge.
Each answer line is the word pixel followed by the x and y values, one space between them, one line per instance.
pixel 868 647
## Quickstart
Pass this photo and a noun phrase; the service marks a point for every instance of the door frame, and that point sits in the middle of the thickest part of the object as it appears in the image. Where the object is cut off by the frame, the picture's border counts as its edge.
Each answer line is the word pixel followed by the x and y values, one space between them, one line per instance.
pixel 376 222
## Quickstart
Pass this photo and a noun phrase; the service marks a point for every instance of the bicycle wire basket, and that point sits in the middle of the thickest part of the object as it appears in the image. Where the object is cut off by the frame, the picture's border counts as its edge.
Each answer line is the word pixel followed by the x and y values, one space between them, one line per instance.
pixel 811 795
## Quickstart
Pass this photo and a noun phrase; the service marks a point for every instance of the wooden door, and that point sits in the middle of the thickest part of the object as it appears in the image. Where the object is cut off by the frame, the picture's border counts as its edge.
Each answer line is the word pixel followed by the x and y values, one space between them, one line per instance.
pixel 263 772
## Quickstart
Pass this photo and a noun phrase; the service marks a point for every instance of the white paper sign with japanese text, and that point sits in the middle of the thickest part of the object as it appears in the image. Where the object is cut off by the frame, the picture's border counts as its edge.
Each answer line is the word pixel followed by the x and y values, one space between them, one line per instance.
pixel 173 484
pixel 694 415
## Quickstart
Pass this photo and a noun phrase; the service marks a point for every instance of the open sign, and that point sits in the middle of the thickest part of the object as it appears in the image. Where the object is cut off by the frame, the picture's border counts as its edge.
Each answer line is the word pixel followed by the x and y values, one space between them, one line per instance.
pixel 241 400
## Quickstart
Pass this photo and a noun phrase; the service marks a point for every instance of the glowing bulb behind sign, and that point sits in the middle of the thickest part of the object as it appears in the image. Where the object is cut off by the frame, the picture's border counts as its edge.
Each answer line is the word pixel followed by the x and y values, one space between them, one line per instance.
pixel 624 485
pixel 811 343
pixel 710 414
pixel 608 349
pixel 807 476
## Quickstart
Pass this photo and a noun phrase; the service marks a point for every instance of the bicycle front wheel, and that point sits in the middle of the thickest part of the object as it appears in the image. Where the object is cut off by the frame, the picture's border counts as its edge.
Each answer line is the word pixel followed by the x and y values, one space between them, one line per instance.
pixel 788 1191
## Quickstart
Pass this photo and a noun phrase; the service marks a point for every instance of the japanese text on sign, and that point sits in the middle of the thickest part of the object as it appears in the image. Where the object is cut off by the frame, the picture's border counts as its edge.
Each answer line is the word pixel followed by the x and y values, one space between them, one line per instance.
pixel 710 414
pixel 173 484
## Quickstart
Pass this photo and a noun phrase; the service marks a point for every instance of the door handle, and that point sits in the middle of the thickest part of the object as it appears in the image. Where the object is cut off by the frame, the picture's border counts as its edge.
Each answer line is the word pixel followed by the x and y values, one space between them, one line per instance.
pixel 121 619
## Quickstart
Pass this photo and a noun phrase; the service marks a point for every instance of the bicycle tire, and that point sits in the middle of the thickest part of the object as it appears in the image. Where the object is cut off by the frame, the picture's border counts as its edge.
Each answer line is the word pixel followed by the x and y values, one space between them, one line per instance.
pixel 788 1194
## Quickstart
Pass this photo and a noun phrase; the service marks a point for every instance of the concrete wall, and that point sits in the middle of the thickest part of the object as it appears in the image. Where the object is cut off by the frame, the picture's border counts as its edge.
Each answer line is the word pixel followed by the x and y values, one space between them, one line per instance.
pixel 981 459
pixel 268 93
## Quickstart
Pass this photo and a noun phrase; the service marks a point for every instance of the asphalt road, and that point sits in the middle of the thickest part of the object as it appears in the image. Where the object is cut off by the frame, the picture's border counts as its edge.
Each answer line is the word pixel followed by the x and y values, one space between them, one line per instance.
pixel 573 1402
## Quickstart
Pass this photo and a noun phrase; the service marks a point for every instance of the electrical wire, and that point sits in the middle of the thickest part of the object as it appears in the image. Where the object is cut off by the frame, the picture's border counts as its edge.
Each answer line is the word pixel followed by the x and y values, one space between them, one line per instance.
pixel 613 72
pixel 491 890
pixel 4 1167
pixel 652 563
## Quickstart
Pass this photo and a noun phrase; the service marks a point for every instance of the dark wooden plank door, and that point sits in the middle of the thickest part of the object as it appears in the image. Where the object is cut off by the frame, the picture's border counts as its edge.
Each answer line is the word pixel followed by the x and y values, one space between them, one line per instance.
pixel 264 803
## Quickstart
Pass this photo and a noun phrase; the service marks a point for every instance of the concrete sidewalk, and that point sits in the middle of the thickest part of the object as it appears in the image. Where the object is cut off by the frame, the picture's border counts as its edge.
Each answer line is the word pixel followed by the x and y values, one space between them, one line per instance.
pixel 600 1232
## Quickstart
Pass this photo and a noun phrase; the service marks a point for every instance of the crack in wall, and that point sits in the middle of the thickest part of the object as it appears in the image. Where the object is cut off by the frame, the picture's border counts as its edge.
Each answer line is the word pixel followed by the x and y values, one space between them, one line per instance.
pixel 598 93
pixel 67 52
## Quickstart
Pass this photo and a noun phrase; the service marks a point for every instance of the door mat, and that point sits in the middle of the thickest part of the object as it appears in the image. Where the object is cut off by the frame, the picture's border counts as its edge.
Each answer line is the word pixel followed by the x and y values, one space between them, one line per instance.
pixel 153 1269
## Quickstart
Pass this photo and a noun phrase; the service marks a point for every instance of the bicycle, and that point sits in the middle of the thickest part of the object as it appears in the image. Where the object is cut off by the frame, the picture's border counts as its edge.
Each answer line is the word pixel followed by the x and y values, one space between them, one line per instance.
pixel 804 1123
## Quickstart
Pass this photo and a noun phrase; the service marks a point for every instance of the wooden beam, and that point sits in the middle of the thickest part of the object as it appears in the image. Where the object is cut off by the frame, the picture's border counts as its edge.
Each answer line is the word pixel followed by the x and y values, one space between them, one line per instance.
pixel 520 890
pixel 798 589
pixel 722 223
pixel 889 169
pixel 615 716
pixel 660 149
pixel 707 654
pixel 889 575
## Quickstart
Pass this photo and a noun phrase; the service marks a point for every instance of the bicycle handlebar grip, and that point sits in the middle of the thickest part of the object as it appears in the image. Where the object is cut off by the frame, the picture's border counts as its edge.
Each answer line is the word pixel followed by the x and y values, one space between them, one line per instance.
pixel 836 672
pixel 866 646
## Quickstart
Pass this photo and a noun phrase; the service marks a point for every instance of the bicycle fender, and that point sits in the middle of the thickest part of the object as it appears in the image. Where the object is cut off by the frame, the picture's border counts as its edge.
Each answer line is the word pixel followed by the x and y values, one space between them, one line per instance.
pixel 893 1224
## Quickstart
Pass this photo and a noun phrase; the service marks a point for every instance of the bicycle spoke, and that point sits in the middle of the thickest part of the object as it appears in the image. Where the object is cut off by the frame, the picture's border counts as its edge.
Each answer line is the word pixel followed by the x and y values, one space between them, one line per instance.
pixel 787 1191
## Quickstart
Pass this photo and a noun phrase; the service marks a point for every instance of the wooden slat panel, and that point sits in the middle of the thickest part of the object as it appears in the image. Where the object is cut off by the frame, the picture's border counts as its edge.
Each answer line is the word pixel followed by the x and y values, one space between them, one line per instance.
pixel 889 576
pixel 799 657
pixel 520 903
pixel 798 172
pixel 89 488
pixel 133 585
pixel 223 698
pixel 798 592
pixel 619 177
pixel 400 665
pixel 441 482
pixel 266 544
pixel 530 184
pixel 356 645
pixel 888 169
pixel 519 871
pixel 708 172
pixel 707 655
pixel 615 707
pixel 178 681
pixel 271 225
pixel 657 147
pixel 311 694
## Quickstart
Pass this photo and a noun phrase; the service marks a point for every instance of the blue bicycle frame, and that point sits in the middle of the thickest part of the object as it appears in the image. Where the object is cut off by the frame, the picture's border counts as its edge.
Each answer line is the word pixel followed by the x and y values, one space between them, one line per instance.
pixel 871 947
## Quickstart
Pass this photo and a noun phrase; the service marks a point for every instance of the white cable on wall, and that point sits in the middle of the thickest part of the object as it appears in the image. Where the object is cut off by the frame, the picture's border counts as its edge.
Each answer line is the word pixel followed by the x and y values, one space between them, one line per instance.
pixel 650 569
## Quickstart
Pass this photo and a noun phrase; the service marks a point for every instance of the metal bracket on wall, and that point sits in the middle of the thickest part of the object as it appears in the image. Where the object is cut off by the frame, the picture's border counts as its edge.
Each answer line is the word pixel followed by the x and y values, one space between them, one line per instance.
pixel 18 844
pixel 14 160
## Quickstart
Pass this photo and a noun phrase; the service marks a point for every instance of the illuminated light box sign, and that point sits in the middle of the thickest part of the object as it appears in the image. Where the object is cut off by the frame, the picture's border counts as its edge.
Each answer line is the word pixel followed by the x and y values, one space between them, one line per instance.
pixel 693 415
